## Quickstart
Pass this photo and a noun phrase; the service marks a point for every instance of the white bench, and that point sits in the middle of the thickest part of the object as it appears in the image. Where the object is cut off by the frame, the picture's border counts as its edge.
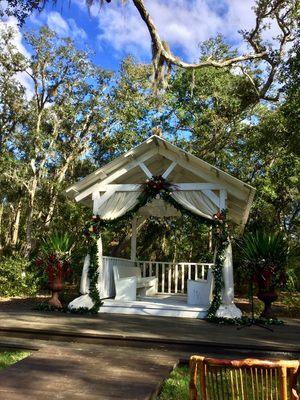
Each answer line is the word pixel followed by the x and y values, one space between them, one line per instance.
pixel 199 292
pixel 129 281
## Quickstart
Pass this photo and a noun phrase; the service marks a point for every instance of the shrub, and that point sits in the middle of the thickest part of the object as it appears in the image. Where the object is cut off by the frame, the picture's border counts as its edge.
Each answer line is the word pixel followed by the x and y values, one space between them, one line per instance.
pixel 16 279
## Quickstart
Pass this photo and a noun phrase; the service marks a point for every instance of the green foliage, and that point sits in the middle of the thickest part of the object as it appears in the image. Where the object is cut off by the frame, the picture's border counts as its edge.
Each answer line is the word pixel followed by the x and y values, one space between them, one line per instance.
pixel 176 386
pixel 8 358
pixel 269 248
pixel 72 125
pixel 16 278
pixel 58 244
pixel 93 278
pixel 265 257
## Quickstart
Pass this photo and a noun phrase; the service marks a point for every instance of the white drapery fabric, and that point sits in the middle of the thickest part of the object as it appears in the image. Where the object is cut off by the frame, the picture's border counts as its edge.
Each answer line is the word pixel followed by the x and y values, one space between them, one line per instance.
pixel 228 309
pixel 85 282
pixel 197 202
pixel 121 202
pixel 118 204
pixel 228 293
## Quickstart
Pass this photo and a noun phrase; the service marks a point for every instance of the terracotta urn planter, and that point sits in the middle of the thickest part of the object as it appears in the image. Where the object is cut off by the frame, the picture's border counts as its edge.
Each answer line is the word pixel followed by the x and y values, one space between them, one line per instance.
pixel 56 286
pixel 267 298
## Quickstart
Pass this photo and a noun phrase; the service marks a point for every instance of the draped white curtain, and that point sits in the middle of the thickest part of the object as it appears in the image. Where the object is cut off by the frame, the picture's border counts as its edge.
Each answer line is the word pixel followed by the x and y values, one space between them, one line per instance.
pixel 118 204
pixel 85 282
pixel 197 202
pixel 228 291
pixel 121 202
pixel 228 309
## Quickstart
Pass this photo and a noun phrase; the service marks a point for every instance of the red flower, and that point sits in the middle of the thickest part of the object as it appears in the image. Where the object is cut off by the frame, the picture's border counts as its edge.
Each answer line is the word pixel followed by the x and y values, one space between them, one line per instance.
pixel 39 262
pixel 94 229
pixel 49 268
pixel 59 266
pixel 52 258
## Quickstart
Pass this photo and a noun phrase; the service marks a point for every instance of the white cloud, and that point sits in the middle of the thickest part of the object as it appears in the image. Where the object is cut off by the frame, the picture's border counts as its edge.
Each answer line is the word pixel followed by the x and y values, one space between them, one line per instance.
pixel 75 31
pixel 11 22
pixel 63 27
pixel 56 22
pixel 21 77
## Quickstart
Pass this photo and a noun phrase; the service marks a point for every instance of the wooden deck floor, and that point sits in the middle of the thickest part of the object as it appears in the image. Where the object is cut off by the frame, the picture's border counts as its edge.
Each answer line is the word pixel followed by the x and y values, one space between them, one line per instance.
pixel 107 357
pixel 150 328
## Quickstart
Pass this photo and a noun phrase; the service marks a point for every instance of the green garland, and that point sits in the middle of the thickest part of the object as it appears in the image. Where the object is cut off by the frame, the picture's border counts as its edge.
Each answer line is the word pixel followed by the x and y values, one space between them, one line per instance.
pixel 151 189
pixel 93 277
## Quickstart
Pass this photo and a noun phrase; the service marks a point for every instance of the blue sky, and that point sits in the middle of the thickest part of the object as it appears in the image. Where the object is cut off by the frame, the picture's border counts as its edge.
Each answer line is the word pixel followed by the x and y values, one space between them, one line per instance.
pixel 113 31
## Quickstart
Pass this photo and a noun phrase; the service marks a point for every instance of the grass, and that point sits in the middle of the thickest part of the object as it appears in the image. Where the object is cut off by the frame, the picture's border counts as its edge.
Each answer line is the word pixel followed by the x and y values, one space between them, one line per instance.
pixel 7 358
pixel 176 387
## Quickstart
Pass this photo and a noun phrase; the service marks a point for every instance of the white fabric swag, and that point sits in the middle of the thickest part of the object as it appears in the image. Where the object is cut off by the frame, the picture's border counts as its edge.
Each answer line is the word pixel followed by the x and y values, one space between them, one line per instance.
pixel 121 202
pixel 118 204
pixel 197 202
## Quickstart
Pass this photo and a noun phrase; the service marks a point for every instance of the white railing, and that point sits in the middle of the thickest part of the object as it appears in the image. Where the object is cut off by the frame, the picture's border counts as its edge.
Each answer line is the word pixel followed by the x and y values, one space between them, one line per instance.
pixel 172 277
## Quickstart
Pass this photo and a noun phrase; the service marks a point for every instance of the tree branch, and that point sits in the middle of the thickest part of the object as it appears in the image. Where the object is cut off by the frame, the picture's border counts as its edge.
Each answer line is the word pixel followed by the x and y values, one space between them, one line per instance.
pixel 160 48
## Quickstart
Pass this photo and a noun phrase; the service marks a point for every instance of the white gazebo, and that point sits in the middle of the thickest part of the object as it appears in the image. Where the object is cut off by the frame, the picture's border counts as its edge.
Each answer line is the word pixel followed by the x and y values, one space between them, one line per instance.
pixel 180 289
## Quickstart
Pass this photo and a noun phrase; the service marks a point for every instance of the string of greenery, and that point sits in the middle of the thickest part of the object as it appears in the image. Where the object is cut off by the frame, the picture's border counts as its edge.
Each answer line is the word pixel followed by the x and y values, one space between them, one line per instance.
pixel 158 187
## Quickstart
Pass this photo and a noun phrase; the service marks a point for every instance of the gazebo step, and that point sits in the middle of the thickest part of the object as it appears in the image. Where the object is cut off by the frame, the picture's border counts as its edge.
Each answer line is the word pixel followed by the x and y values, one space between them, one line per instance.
pixel 165 306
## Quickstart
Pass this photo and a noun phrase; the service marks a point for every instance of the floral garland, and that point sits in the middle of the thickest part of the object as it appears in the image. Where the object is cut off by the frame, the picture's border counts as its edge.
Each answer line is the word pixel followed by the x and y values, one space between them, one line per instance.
pixel 158 187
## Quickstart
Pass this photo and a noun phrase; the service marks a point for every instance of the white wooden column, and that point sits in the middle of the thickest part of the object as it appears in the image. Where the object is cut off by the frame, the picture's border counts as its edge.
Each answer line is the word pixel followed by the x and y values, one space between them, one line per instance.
pixel 133 239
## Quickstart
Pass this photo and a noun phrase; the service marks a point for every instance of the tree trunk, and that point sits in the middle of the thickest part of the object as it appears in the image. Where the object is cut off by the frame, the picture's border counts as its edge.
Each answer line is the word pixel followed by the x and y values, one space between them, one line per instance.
pixel 32 193
pixel 60 175
pixel 1 214
pixel 16 225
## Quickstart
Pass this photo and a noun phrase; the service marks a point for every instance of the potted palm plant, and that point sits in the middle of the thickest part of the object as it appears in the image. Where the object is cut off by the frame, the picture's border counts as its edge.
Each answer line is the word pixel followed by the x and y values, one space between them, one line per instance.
pixel 56 260
pixel 265 258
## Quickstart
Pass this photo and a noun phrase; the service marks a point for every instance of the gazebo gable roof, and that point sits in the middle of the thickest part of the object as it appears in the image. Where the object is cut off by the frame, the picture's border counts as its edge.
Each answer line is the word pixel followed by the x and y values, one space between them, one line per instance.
pixel 158 156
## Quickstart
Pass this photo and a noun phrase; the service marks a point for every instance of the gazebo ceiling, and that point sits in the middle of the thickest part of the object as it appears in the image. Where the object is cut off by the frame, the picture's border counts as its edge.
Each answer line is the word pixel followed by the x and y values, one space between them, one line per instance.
pixel 157 154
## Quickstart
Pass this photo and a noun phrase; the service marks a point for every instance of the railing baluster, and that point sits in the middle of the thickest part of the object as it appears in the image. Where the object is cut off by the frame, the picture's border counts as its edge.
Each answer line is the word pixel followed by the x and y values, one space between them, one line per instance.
pixel 163 278
pixel 176 278
pixel 202 271
pixel 150 269
pixel 156 269
pixel 169 277
pixel 196 271
pixel 182 278
pixel 189 271
pixel 144 269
